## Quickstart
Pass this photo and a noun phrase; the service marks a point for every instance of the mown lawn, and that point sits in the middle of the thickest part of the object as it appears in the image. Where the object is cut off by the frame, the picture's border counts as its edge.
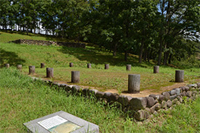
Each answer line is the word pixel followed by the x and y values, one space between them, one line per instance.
pixel 116 77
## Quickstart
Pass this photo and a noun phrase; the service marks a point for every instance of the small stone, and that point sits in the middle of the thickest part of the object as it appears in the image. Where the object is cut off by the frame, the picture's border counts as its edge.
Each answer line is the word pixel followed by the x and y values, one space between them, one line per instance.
pixel 183 93
pixel 124 100
pixel 139 115
pixel 150 101
pixel 157 107
pixel 198 85
pixel 187 88
pixel 107 95
pixel 146 113
pixel 92 91
pixel 161 98
pixel 188 93
pixel 85 91
pixel 175 101
pixel 166 95
pixel 75 88
pixel 172 92
pixel 192 85
pixel 114 97
pixel 178 91
pixel 173 97
pixel 99 94
pixel 154 96
pixel 169 103
pixel 164 104
pixel 138 103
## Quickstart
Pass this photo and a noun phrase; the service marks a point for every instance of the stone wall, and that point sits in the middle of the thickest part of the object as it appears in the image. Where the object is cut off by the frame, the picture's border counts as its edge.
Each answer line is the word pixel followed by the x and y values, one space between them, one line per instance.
pixel 142 107
pixel 47 43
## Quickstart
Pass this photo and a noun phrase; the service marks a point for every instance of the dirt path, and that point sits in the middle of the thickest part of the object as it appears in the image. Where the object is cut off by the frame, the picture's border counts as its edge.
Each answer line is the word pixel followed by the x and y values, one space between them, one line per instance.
pixel 146 93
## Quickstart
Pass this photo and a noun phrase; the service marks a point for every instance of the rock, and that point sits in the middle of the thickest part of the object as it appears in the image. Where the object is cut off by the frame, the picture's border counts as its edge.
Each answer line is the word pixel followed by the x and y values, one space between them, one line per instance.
pixel 161 98
pixel 92 91
pixel 147 113
pixel 107 95
pixel 139 115
pixel 114 97
pixel 198 85
pixel 172 92
pixel 99 94
pixel 124 100
pixel 175 101
pixel 138 103
pixel 178 91
pixel 192 85
pixel 154 96
pixel 63 85
pixel 188 93
pixel 183 93
pixel 164 105
pixel 157 107
pixel 150 101
pixel 68 88
pixel 187 88
pixel 169 103
pixel 166 95
pixel 180 99
pixel 76 88
pixel 173 97
pixel 178 103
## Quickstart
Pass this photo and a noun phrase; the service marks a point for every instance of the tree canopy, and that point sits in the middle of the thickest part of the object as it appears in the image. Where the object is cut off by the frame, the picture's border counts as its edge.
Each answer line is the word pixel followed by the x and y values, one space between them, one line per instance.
pixel 162 30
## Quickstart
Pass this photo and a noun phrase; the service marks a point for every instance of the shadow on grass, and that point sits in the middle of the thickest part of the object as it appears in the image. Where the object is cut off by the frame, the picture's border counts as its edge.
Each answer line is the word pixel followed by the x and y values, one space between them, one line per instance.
pixel 96 56
pixel 9 57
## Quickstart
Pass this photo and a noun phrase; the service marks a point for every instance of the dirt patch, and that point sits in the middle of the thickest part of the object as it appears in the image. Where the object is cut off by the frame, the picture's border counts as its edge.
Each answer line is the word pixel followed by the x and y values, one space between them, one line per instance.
pixel 146 93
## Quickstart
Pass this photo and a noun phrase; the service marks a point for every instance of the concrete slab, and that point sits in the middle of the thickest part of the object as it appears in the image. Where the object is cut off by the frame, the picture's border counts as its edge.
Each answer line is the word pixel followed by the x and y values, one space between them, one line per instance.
pixel 61 122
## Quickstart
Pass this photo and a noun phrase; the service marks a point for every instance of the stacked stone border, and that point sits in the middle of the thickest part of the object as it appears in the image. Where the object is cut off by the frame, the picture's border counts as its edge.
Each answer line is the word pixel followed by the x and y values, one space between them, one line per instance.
pixel 141 108
pixel 48 43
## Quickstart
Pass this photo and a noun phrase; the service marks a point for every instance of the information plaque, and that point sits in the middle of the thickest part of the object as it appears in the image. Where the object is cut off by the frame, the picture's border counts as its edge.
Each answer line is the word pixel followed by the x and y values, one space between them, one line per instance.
pixel 61 122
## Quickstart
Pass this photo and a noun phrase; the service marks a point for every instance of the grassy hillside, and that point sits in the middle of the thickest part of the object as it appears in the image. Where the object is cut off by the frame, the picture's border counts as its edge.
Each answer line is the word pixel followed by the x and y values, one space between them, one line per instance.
pixel 115 78
pixel 22 100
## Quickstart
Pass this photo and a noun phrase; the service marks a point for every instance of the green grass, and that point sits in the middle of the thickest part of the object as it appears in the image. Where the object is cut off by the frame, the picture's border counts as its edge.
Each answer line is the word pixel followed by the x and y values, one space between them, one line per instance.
pixel 12 36
pixel 22 100
pixel 116 77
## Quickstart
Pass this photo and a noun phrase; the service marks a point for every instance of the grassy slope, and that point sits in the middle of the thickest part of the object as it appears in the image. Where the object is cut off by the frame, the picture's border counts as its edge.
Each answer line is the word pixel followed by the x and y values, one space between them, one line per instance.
pixel 22 100
pixel 60 57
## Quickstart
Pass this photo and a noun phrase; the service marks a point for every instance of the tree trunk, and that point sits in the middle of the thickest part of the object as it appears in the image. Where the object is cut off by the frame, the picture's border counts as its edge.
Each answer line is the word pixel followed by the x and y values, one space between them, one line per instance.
pixel 141 52
pixel 115 49
pixel 169 59
pixel 126 55
pixel 166 55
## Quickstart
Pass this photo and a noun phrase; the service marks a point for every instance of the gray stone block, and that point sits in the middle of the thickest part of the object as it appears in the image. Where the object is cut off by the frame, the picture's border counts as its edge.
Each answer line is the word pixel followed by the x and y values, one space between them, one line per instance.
pixel 192 85
pixel 150 101
pixel 139 115
pixel 166 95
pixel 173 97
pixel 172 92
pixel 188 93
pixel 61 119
pixel 138 103
pixel 124 100
pixel 99 94
pixel 169 103
pixel 198 85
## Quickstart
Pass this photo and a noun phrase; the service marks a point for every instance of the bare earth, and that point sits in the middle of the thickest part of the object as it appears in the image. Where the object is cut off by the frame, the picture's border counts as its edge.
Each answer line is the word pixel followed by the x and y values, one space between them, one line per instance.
pixel 146 93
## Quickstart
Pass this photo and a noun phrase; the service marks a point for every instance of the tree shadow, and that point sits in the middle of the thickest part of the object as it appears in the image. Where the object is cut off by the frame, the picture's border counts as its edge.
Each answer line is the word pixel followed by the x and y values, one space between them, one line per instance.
pixel 9 57
pixel 96 56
